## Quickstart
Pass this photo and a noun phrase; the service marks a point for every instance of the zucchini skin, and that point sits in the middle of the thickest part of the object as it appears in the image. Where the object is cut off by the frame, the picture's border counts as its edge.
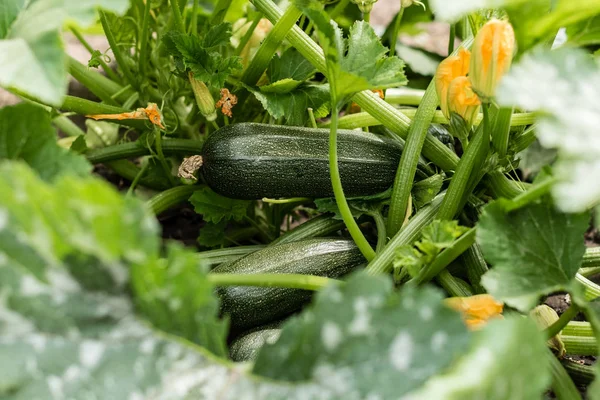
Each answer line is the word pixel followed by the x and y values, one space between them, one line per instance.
pixel 246 347
pixel 249 306
pixel 252 161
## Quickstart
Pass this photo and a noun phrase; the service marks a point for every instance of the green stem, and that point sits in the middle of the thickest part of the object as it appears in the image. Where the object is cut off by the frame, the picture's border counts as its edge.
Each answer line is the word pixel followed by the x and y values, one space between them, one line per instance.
pixel 382 263
pixel 220 12
pixel 580 345
pixel 451 39
pixel 404 96
pixel 363 119
pixel 442 260
pixel 244 40
pixel 130 171
pixel 592 290
pixel 114 46
pixel 524 140
pixel 193 29
pixel 476 267
pixel 591 258
pixel 107 69
pixel 453 286
pixel 502 186
pixel 322 225
pixel 456 190
pixel 405 174
pixel 291 281
pixel 581 374
pixel 269 46
pixel 92 81
pixel 161 156
pixel 501 131
pixel 311 118
pixel 578 328
pixel 336 182
pixel 532 194
pixel 134 149
pixel 381 231
pixel 177 19
pixel 67 126
pixel 562 384
pixel 339 7
pixel 220 256
pixel 433 149
pixel 396 31
pixel 144 34
pixel 137 179
pixel 562 321
pixel 170 198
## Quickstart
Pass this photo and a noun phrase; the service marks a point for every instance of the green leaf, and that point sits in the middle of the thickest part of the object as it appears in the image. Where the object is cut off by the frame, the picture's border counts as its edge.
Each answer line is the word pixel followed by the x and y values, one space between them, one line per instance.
pixel 26 133
pixel 357 63
pixel 364 339
pixel 585 33
pixel 217 35
pixel 291 65
pixel 207 65
pixel 425 190
pixel 215 208
pixel 294 105
pixel 534 251
pixel 281 86
pixel 568 117
pixel 212 235
pixel 32 57
pixel 79 145
pixel 176 298
pixel 508 359
pixel 435 237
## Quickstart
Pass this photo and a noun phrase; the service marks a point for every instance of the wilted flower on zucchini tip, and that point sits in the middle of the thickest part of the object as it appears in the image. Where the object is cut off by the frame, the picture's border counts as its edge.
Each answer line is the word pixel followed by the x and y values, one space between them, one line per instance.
pixel 462 100
pixel 476 310
pixel 492 54
pixel 449 69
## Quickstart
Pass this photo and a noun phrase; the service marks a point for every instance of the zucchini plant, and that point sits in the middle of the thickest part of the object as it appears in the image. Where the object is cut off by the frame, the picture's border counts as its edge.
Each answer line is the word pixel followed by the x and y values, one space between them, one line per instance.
pixel 262 200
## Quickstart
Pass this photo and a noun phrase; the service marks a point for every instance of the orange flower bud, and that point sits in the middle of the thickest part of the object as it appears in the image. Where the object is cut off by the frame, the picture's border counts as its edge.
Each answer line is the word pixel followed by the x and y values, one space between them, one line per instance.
pixel 476 310
pixel 492 55
pixel 462 100
pixel 452 67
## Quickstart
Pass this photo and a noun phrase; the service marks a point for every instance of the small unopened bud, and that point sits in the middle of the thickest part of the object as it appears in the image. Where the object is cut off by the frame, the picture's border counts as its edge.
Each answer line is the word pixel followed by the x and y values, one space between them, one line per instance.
pixel 492 54
pixel 204 100
pixel 545 316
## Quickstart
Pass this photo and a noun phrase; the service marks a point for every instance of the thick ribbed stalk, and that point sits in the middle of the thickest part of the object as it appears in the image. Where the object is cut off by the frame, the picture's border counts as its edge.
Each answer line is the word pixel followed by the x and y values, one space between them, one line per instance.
pixel 133 149
pixel 501 130
pixel 269 46
pixel 476 267
pixel 410 157
pixel 170 198
pixel 562 384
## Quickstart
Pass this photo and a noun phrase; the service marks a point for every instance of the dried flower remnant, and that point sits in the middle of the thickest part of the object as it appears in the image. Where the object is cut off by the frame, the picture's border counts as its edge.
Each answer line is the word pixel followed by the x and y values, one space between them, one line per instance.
pixel 476 310
pixel 189 166
pixel 150 113
pixel 227 101
pixel 491 57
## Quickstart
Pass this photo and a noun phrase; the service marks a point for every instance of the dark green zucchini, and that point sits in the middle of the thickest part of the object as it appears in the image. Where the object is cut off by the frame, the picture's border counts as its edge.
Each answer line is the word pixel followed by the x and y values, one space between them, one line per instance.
pixel 246 347
pixel 252 161
pixel 249 306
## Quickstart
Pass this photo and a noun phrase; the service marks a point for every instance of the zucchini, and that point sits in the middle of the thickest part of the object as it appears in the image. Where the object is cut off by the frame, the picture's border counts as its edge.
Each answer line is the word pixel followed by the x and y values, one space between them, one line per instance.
pixel 246 347
pixel 252 161
pixel 249 306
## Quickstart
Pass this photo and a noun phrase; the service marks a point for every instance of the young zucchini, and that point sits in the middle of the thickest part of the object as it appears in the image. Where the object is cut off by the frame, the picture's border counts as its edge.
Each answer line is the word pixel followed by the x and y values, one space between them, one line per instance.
pixel 252 161
pixel 249 306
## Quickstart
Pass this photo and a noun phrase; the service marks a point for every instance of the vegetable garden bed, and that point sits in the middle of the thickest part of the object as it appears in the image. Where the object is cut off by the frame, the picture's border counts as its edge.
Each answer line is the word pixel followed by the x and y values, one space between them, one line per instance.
pixel 276 200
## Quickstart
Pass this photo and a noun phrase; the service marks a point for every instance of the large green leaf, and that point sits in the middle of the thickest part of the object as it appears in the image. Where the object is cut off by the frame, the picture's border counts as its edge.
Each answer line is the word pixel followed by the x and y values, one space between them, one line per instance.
pixel 26 133
pixel 215 208
pixel 365 341
pixel 32 57
pixel 568 117
pixel 294 104
pixel 534 251
pixel 507 361
pixel 358 62
pixel 291 64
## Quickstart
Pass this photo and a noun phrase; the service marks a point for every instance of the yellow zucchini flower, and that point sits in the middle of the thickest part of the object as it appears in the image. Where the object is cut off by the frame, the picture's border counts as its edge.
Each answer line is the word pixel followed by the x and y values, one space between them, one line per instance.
pixel 492 54
pixel 449 69
pixel 462 100
pixel 476 310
